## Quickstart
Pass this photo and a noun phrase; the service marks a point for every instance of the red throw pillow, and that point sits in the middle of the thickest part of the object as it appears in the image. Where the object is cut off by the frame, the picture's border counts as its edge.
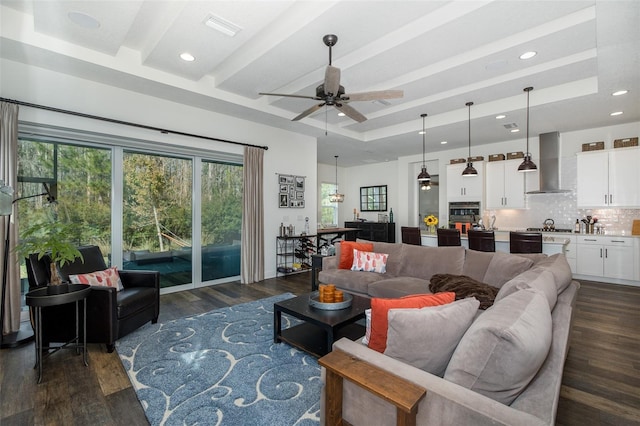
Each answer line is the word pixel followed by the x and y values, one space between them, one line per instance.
pixel 346 252
pixel 380 309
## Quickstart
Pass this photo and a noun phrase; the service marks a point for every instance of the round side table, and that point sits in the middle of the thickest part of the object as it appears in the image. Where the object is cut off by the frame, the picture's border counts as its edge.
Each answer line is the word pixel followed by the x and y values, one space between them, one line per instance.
pixel 39 299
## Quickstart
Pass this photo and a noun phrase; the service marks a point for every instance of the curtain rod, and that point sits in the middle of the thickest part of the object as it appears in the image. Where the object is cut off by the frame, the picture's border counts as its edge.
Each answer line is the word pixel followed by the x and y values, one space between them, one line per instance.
pixel 128 123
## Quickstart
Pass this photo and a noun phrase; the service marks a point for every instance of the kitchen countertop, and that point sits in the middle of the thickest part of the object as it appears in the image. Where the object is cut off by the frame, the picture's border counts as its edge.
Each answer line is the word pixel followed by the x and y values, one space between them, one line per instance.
pixel 504 237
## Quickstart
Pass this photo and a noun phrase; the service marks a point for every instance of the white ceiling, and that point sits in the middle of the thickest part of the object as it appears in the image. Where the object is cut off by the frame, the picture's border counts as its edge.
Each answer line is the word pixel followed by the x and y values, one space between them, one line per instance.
pixel 441 53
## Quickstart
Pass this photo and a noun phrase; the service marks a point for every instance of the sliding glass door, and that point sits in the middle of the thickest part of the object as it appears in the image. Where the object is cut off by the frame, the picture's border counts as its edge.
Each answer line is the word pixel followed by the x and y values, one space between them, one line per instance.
pixel 177 214
pixel 221 212
pixel 157 219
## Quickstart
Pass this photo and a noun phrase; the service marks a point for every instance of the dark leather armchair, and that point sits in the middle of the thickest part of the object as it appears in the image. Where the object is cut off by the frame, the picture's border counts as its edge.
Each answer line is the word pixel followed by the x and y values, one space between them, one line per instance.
pixel 111 314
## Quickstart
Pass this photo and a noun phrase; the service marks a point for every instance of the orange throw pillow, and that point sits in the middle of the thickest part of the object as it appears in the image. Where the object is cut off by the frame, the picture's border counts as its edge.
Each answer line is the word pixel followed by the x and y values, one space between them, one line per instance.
pixel 346 252
pixel 380 309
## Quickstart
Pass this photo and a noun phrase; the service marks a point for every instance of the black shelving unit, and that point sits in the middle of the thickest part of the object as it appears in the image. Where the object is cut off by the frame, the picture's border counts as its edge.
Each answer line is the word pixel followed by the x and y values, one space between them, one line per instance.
pixel 293 250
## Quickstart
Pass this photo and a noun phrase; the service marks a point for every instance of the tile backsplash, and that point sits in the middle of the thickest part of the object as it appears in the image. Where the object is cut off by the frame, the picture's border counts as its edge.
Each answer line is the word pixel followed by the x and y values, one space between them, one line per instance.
pixel 562 208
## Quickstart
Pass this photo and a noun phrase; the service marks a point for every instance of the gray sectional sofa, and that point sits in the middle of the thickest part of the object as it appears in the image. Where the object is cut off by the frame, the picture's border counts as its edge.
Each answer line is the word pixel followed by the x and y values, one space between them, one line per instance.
pixel 506 369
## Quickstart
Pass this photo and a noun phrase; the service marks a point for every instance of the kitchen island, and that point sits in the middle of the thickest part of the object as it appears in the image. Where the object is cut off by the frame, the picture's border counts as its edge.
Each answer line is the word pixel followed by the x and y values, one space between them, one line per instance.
pixel 551 244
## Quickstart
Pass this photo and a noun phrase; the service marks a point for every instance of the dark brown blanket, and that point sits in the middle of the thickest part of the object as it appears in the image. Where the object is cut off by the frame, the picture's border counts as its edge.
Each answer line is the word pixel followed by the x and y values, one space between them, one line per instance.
pixel 464 286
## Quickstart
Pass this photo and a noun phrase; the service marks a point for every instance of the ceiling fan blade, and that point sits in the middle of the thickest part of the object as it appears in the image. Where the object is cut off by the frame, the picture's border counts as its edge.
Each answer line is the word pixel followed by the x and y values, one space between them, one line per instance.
pixel 290 96
pixel 308 111
pixel 351 112
pixel 332 80
pixel 374 96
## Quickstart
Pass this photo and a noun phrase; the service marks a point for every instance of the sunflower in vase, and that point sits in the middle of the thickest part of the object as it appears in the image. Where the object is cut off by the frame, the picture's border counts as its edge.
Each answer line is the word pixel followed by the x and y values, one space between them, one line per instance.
pixel 431 221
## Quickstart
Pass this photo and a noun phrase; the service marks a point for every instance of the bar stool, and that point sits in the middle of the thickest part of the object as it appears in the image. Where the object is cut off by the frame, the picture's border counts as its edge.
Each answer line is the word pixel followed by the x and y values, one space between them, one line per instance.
pixel 411 235
pixel 448 237
pixel 481 240
pixel 525 242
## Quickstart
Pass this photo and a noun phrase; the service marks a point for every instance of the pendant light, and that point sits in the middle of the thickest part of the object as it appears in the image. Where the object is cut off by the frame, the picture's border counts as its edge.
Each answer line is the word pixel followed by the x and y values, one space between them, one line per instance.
pixel 424 179
pixel 469 171
pixel 336 197
pixel 527 165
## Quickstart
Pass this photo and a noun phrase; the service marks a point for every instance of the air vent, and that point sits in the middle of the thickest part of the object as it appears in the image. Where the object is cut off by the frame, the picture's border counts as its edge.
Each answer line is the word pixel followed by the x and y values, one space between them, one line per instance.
pixel 510 126
pixel 222 25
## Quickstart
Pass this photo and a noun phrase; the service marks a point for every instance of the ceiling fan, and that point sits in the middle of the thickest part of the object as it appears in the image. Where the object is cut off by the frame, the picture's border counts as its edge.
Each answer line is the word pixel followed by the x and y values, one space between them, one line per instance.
pixel 331 93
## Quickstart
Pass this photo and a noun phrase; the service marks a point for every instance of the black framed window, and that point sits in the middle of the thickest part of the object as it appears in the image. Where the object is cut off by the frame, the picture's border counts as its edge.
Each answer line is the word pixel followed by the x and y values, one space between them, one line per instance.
pixel 373 198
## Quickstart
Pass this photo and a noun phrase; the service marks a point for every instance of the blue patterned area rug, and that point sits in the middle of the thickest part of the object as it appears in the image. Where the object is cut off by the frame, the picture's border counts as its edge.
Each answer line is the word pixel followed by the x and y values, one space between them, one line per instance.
pixel 222 368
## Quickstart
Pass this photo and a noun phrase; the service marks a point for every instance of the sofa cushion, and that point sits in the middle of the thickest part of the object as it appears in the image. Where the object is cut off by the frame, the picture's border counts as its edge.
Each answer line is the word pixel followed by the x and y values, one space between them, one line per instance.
pixel 394 250
pixel 134 300
pixel 346 252
pixel 476 263
pixel 380 309
pixel 503 267
pixel 368 261
pixel 346 279
pixel 557 264
pixel 423 262
pixel 464 286
pixel 391 288
pixel 504 348
pixel 427 337
pixel 539 280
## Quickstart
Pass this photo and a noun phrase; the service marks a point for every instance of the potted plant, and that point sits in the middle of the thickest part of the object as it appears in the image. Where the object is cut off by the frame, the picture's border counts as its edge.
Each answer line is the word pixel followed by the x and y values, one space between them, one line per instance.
pixel 50 237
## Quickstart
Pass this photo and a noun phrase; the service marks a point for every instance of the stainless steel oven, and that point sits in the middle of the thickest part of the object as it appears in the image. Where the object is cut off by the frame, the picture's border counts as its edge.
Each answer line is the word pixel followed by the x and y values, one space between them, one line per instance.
pixel 464 215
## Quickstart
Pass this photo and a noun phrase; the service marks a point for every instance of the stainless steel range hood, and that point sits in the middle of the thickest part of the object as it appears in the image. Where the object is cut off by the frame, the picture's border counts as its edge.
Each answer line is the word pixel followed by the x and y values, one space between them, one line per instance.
pixel 549 164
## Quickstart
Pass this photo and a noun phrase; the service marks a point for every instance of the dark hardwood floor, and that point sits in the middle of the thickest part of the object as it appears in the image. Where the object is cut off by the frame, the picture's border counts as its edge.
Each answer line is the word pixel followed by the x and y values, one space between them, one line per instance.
pixel 601 382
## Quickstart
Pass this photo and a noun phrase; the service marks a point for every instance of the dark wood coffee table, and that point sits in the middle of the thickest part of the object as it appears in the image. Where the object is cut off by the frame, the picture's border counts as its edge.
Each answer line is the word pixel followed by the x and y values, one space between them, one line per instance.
pixel 321 327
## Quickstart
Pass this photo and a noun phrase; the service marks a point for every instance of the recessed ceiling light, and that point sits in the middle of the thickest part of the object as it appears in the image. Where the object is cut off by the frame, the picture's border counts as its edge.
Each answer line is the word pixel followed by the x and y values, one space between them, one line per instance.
pixel 443 143
pixel 188 57
pixel 500 117
pixel 83 20
pixel 341 114
pixel 514 130
pixel 528 55
pixel 620 92
pixel 220 24
pixel 613 114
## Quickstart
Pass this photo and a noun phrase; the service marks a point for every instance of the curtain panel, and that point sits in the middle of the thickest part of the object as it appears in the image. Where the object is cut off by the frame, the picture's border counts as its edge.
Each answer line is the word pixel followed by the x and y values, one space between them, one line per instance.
pixel 9 174
pixel 252 260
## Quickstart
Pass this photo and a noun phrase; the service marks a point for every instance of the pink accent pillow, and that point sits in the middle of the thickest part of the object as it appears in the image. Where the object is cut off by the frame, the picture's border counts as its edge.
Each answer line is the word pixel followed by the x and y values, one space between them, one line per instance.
pixel 107 278
pixel 369 261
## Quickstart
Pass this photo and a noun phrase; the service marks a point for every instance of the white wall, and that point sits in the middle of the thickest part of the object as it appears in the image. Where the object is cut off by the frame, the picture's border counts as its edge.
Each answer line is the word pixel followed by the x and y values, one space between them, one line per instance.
pixel 288 153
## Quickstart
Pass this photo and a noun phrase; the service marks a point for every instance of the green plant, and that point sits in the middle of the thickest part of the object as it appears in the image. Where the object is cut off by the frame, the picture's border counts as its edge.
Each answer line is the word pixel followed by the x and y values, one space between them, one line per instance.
pixel 49 237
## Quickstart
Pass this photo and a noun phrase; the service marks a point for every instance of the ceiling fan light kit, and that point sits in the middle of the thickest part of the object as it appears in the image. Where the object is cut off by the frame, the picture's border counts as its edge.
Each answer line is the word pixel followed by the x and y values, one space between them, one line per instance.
pixel 527 165
pixel 470 171
pixel 424 179
pixel 331 93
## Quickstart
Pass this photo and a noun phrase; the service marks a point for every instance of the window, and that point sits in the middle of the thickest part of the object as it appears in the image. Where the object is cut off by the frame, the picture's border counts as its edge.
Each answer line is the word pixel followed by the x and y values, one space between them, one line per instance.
pixel 328 210
pixel 166 198
pixel 373 198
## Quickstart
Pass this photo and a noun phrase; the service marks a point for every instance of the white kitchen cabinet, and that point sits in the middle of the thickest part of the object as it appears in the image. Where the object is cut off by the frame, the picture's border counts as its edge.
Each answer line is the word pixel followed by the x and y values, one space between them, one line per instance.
pixel 609 178
pixel 570 252
pixel 601 256
pixel 461 188
pixel 505 185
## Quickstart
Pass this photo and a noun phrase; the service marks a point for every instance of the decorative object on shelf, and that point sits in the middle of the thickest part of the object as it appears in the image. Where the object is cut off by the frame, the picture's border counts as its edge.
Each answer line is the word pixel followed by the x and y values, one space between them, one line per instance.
pixel 527 165
pixel 291 194
pixel 373 198
pixel 336 197
pixel 424 179
pixel 469 171
pixel 391 216
pixel 625 143
pixel 431 221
